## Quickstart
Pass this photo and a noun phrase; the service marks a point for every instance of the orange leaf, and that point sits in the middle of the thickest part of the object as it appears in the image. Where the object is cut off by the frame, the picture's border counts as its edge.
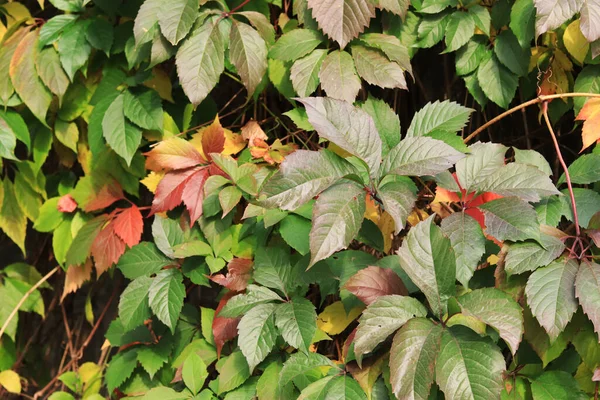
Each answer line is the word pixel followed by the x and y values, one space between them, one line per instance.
pixel 213 138
pixel 108 194
pixel 66 204
pixel 590 113
pixel 173 153
pixel 107 249
pixel 252 131
pixel 128 225
pixel 76 276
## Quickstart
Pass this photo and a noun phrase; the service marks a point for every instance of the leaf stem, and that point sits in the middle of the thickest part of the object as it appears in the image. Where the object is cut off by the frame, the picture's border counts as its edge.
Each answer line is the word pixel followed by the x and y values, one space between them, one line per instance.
pixel 25 296
pixel 537 100
pixel 564 166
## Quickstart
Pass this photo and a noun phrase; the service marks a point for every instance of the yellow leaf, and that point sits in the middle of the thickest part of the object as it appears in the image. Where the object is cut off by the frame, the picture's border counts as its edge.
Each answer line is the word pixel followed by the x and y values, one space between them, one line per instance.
pixel 493 259
pixel 372 210
pixel 76 276
pixel 590 113
pixel 160 82
pixel 11 381
pixel 338 150
pixel 417 216
pixel 576 44
pixel 91 376
pixel 320 336
pixel 537 55
pixel 468 321
pixel 367 375
pixel 15 12
pixel 333 320
pixel 234 143
pixel 387 227
pixel 152 180
pixel 562 60
pixel 2 30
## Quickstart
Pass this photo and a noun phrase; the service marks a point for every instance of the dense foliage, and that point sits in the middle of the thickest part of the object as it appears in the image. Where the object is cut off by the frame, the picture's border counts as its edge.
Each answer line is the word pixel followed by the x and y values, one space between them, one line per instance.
pixel 291 238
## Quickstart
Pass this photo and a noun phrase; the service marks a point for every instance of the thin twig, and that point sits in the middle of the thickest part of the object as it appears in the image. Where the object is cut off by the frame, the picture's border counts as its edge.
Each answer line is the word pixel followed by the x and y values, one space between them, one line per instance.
pixel 24 298
pixel 537 100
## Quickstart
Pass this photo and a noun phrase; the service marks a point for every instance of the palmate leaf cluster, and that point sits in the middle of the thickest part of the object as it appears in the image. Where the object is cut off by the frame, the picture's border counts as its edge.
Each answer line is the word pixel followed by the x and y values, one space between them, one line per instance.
pixel 241 169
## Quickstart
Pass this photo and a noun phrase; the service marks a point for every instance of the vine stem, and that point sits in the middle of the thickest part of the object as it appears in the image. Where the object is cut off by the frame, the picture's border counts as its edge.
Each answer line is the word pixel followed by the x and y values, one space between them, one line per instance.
pixel 537 100
pixel 25 296
pixel 564 167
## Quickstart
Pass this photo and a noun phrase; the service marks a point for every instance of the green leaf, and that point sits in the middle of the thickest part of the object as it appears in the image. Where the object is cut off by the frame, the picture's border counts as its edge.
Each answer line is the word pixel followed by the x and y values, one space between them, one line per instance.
pixel 143 259
pixel 584 170
pixel 133 306
pixel 588 204
pixel 67 133
pixel 73 48
pixel 194 373
pixel 7 50
pixel 522 21
pixel 82 243
pixel 511 54
pixel 412 358
pixel 418 156
pixel 248 52
pixel 338 215
pixel 295 230
pixel 153 357
pixel 146 21
pixel 303 175
pixel 120 368
pixel 8 141
pixel 305 72
pixel 349 127
pixel 431 29
pixel 496 309
pixel 257 334
pixel 176 19
pixel 68 5
pixel 482 18
pixel 144 110
pixel 342 20
pixel 272 268
pixel 121 136
pixel 532 157
pixel 300 364
pixel 468 366
pixel 398 194
pixel 556 385
pixel 242 303
pixel 587 287
pixel 549 210
pixel 344 387
pixel 588 81
pixel 297 322
pixel 459 30
pixel 382 318
pixel 166 296
pixel 12 219
pixel 435 6
pixel 551 295
pixel 229 197
pixel 51 30
pixel 484 160
pixel 497 82
pixel 374 67
pixel 391 46
pixel 529 255
pixel 468 243
pixel 200 60
pixel 338 76
pixel 279 75
pixel 472 84
pixel 427 258
pixel 510 218
pixel 25 78
pixel 233 373
pixel 470 56
pixel 386 122
pixel 100 34
pixel 51 72
pixel 295 44
pixel 261 24
pixel 166 393
pixel 447 115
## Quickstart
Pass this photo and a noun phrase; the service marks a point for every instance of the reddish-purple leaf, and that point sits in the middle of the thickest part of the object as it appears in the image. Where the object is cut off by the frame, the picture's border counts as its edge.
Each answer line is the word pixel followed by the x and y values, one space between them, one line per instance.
pixel 129 225
pixel 237 276
pixel 224 329
pixel 370 283
pixel 173 153
pixel 170 190
pixel 193 194
pixel 107 249
pixel 66 204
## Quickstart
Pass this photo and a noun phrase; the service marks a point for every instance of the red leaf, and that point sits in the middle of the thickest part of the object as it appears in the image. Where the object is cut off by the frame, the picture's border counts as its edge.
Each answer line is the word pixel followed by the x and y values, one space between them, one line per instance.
pixel 108 194
pixel 348 342
pixel 170 190
pixel 129 225
pixel 193 194
pixel 66 204
pixel 213 138
pixel 107 249
pixel 224 329
pixel 373 282
pixel 173 153
pixel 237 276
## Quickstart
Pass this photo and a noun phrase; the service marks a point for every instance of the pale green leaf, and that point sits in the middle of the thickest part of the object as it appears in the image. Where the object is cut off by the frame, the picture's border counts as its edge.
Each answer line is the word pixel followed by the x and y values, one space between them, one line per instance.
pixel 242 303
pixel 398 194
pixel 428 259
pixel 12 219
pixel 386 121
pixel 261 24
pixel 295 44
pixel 166 296
pixel 176 19
pixel 375 67
pixel 194 373
pixel 524 181
pixel 338 76
pixel 51 30
pixel 391 46
pixel 587 289
pixel 257 334
pixel 51 72
pixel 529 255
pixel 459 30
pixel 482 18
pixel 146 21
pixel 342 20
pixel 510 218
pixel 233 373
pixel 447 115
pixel 483 161
pixel 248 52
pixel 532 157
pixel 344 387
pixel 588 204
pixel 144 110
pixel 300 364
pixel 553 13
pixel 297 322
pixel 67 133
pixel 305 72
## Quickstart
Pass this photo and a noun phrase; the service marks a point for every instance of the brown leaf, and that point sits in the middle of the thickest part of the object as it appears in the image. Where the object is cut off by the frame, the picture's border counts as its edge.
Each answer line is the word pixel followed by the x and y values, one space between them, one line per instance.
pixel 76 276
pixel 373 282
pixel 237 276
pixel 224 329
pixel 252 131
